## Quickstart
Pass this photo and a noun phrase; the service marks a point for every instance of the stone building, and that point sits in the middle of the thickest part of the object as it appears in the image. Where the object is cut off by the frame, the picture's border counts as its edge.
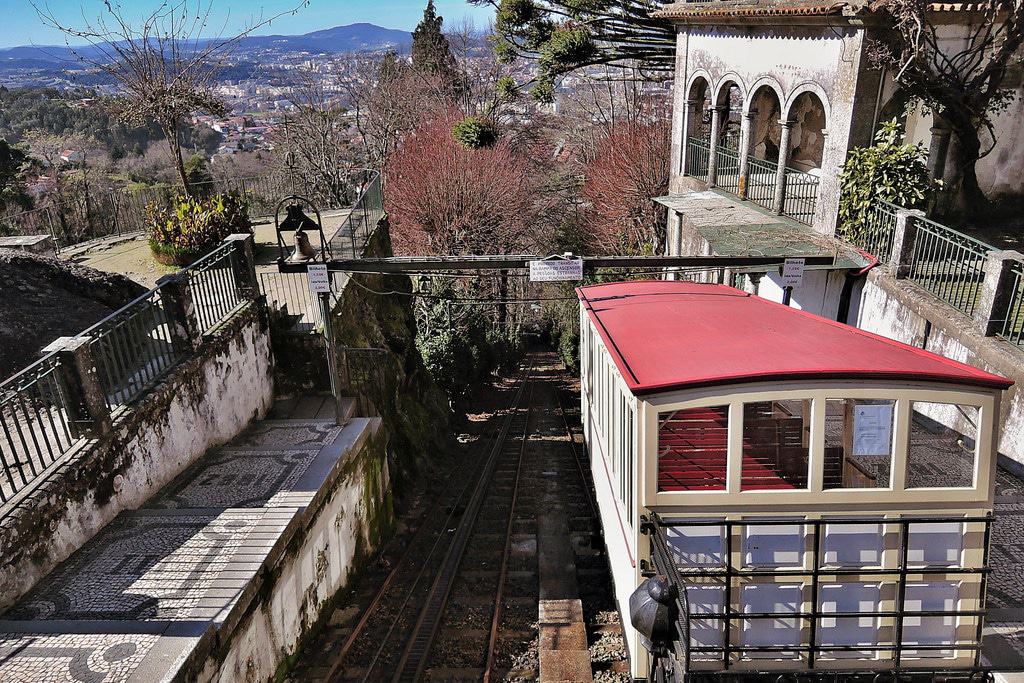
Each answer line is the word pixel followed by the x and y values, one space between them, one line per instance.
pixel 770 95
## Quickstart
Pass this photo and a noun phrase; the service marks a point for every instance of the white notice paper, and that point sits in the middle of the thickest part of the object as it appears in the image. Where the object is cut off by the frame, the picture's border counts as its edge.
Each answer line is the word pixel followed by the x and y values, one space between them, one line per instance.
pixel 319 280
pixel 872 429
pixel 792 272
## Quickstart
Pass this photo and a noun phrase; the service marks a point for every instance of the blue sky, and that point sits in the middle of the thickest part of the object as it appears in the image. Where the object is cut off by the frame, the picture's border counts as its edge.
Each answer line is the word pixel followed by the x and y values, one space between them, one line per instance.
pixel 22 27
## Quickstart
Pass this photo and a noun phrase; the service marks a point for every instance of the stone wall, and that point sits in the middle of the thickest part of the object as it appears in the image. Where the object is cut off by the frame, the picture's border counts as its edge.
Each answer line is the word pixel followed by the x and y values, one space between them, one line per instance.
pixel 202 403
pixel 351 514
pixel 898 310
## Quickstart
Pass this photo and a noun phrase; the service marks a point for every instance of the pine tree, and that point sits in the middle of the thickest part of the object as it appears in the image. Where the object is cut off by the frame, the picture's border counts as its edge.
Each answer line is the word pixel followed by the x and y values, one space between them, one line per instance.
pixel 431 52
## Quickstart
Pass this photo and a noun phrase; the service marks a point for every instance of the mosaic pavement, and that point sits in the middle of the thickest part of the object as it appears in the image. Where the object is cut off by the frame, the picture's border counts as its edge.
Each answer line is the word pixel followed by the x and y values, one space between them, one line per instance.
pixel 138 596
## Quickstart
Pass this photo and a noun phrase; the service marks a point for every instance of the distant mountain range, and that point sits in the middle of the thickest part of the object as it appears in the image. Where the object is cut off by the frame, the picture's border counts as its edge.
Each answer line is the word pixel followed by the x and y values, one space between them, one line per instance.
pixel 350 38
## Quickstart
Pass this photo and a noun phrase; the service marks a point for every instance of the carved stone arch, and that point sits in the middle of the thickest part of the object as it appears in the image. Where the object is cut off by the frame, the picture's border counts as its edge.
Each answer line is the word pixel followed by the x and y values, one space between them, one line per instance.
pixel 724 81
pixel 763 106
pixel 763 81
pixel 728 106
pixel 697 76
pixel 808 110
pixel 812 87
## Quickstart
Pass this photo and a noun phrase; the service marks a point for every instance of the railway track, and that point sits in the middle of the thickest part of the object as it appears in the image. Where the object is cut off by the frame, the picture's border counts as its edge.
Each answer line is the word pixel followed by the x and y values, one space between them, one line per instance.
pixel 461 603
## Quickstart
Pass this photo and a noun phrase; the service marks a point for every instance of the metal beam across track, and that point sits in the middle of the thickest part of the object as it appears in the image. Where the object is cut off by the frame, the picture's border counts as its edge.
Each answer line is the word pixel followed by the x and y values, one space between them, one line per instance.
pixel 418 264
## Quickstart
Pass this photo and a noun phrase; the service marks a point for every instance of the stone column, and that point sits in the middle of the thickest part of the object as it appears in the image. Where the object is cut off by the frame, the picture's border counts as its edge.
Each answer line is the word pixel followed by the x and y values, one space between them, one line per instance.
pixel 716 124
pixel 244 265
pixel 176 297
pixel 746 134
pixel 690 115
pixel 903 241
pixel 996 291
pixel 780 174
pixel 84 397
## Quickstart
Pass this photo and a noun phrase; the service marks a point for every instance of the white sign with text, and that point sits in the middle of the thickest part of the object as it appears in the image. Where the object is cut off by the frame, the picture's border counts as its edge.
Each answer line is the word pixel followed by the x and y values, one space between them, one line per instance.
pixel 319 278
pixel 556 270
pixel 793 272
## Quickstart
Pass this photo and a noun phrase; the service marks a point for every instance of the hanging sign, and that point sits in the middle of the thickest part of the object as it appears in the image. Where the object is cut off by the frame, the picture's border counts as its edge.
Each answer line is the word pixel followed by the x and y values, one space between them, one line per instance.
pixel 319 278
pixel 556 269
pixel 793 272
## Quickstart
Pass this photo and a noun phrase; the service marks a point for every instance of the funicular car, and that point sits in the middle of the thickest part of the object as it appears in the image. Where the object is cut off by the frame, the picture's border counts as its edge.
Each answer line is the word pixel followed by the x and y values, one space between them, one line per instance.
pixel 821 496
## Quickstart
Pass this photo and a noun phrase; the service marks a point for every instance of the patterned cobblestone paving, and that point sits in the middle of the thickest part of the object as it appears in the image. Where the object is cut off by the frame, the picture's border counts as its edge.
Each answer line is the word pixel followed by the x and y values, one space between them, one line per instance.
pixel 154 578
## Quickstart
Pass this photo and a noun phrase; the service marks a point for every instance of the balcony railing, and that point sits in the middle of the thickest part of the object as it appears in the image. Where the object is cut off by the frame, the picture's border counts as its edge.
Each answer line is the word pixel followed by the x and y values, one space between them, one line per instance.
pixel 949 264
pixel 801 196
pixel 876 236
pixel 727 169
pixel 362 219
pixel 761 176
pixel 698 157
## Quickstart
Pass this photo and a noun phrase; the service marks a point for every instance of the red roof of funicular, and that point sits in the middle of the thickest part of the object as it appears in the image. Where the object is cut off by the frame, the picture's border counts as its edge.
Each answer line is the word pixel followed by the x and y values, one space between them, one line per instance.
pixel 666 335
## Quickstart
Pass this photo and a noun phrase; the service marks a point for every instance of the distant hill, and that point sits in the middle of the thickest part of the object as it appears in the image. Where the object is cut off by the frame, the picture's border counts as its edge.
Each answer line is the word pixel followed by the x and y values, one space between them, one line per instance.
pixel 350 38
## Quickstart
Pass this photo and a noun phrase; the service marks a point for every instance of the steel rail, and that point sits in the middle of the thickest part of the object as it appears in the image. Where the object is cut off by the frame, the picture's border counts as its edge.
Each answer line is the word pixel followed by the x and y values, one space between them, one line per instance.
pixel 421 532
pixel 414 657
pixel 492 640
pixel 579 461
pixel 483 476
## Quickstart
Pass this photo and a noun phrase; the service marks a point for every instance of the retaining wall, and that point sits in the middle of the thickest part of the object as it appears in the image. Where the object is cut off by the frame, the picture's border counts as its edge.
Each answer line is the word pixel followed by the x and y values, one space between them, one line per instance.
pixel 203 402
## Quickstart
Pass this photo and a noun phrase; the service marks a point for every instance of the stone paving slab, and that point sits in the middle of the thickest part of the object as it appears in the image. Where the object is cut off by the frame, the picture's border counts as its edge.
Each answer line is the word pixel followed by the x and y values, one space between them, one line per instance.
pixel 139 598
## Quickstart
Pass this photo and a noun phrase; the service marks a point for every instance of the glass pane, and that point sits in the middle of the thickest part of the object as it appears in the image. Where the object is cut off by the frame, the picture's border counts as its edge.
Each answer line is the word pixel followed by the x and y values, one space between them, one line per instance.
pixel 935 544
pixel 696 546
pixel 942 445
pixel 693 449
pixel 930 630
pixel 776 439
pixel 858 443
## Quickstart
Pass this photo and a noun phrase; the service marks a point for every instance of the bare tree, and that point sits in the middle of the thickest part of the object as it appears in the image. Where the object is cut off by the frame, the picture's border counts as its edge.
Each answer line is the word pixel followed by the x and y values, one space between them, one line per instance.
pixel 317 135
pixel 165 63
pixel 959 77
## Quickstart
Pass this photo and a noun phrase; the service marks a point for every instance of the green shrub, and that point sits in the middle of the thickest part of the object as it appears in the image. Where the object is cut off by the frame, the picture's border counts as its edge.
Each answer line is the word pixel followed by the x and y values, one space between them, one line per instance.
pixel 474 132
pixel 188 227
pixel 890 170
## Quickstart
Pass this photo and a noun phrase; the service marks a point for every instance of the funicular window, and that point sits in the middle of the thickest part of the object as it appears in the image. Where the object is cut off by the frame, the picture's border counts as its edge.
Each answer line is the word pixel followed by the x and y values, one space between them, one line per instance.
pixel 698 550
pixel 776 445
pixel 858 443
pixel 943 445
pixel 693 449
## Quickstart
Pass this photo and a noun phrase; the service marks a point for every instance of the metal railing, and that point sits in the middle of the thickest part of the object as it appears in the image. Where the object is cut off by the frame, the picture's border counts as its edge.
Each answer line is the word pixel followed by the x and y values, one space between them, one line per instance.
pixel 215 286
pixel 761 182
pixel 362 219
pixel 698 157
pixel 724 572
pixel 948 263
pixel 35 424
pixel 122 211
pixel 133 348
pixel 289 294
pixel 1013 326
pixel 801 196
pixel 879 230
pixel 727 169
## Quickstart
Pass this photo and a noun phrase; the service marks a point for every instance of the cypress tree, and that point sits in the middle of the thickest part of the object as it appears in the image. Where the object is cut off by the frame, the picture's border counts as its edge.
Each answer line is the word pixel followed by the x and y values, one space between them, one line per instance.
pixel 431 51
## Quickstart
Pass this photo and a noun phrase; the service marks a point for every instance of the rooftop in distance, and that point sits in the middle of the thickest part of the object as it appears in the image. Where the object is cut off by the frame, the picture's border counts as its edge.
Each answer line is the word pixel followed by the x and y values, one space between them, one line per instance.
pixel 666 335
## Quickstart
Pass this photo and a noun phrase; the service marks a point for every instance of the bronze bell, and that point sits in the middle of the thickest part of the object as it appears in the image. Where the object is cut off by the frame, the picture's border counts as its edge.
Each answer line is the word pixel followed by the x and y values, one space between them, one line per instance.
pixel 298 221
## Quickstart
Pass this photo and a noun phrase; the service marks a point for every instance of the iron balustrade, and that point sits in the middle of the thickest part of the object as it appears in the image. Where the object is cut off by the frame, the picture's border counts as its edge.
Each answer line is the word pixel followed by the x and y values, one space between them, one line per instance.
pixel 366 212
pixel 1013 326
pixel 879 229
pixel 35 424
pixel 698 157
pixel 133 348
pixel 801 196
pixel 727 170
pixel 215 287
pixel 289 295
pixel 761 182
pixel 947 263
pixel 731 577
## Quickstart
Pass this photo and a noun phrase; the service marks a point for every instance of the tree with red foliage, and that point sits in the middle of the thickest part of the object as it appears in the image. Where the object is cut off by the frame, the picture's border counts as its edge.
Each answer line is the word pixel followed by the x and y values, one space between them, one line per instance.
pixel 447 199
pixel 630 165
